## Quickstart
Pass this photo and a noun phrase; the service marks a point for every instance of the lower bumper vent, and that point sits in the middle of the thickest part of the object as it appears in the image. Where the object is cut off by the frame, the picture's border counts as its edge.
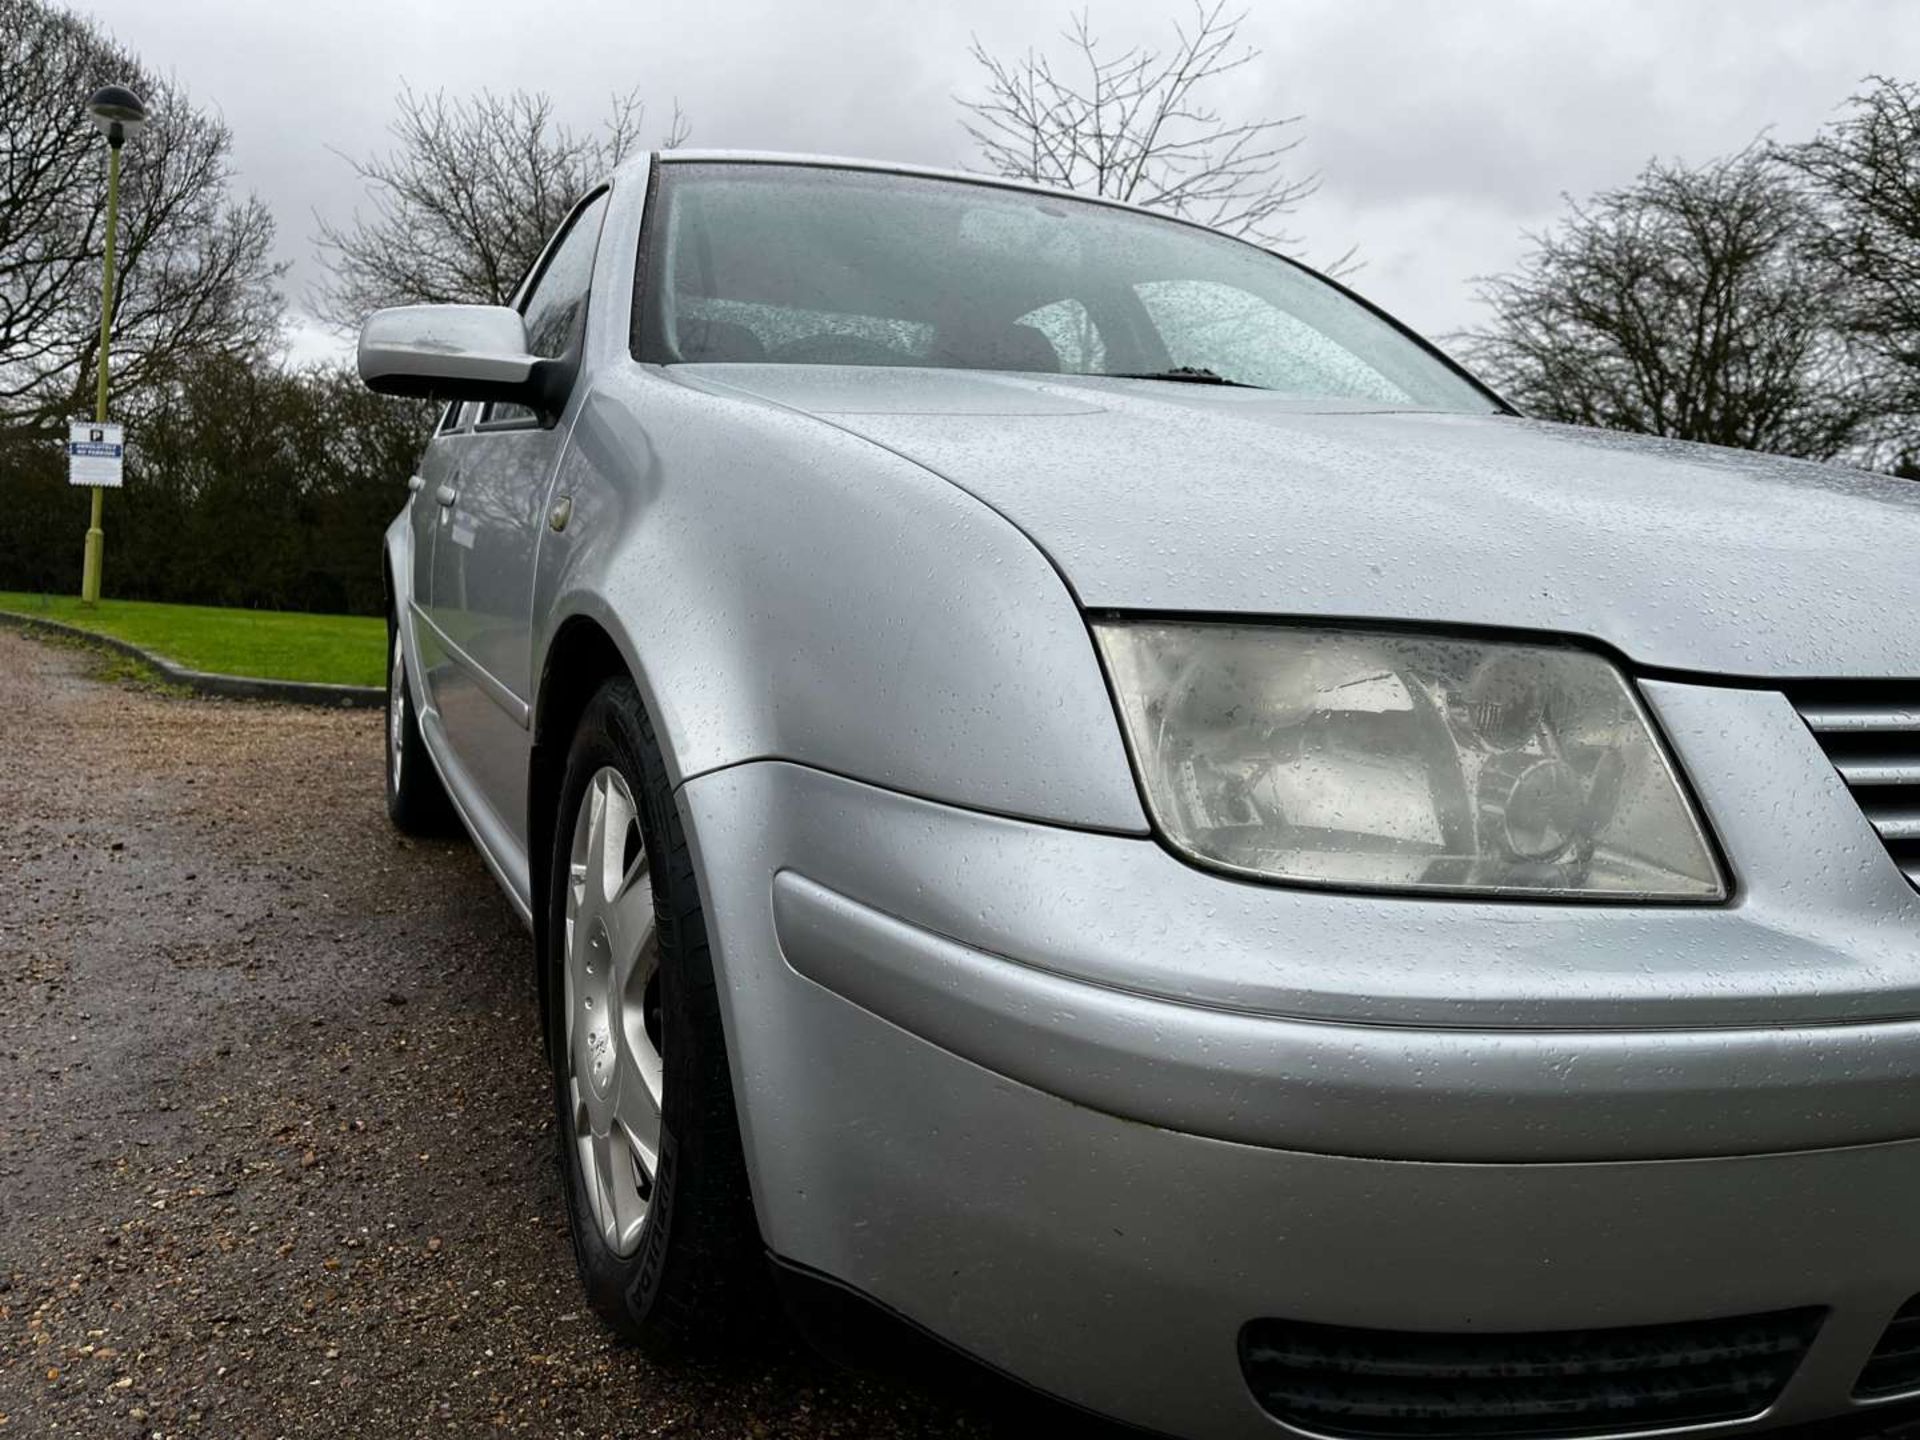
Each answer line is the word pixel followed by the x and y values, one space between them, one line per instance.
pixel 1894 1366
pixel 1392 1383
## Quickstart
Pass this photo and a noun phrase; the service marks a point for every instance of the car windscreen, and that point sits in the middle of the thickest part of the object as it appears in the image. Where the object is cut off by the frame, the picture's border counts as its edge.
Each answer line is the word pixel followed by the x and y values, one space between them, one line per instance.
pixel 813 265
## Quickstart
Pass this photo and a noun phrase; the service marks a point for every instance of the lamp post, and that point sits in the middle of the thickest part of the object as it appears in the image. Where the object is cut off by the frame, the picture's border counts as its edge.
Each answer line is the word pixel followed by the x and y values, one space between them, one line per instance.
pixel 118 114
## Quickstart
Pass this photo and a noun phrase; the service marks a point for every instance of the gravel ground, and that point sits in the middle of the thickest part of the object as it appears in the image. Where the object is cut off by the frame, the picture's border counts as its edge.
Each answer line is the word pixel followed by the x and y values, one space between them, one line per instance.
pixel 274 1151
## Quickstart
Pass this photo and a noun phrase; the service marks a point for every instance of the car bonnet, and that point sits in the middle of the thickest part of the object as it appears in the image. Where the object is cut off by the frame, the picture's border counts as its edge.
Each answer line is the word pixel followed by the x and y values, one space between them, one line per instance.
pixel 1151 496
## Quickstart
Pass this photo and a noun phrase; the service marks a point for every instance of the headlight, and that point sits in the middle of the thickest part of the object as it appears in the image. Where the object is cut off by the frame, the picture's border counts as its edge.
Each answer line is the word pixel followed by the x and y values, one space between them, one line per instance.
pixel 1404 761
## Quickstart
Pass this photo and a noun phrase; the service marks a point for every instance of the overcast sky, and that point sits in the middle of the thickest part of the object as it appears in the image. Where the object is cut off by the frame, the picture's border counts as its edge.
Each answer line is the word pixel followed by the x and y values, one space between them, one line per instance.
pixel 1442 129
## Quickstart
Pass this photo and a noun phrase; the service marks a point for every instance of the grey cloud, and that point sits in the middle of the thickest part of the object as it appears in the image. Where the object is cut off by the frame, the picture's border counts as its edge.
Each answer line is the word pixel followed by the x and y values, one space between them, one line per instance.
pixel 1440 127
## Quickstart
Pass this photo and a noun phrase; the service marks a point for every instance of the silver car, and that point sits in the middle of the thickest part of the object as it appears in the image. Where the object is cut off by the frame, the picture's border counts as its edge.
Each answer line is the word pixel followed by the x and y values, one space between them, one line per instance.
pixel 1081 790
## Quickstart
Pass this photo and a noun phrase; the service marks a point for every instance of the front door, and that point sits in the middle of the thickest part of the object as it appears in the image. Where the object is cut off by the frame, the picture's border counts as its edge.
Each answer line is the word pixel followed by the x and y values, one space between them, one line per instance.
pixel 431 479
pixel 483 556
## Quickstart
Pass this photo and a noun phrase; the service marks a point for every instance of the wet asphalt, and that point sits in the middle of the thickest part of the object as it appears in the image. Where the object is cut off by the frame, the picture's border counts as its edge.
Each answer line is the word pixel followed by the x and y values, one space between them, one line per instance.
pixel 274 1147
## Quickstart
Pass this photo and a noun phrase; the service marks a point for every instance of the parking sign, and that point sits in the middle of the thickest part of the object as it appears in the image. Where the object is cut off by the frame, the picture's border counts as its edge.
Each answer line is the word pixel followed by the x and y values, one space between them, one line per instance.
pixel 95 449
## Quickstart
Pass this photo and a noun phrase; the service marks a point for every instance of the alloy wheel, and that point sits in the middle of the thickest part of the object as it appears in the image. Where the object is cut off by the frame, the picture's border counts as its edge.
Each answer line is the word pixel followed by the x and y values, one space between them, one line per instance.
pixel 612 1000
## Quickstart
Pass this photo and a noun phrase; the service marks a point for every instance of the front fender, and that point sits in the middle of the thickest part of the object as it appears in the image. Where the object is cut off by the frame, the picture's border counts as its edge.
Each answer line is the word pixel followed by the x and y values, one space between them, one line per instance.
pixel 781 589
pixel 397 543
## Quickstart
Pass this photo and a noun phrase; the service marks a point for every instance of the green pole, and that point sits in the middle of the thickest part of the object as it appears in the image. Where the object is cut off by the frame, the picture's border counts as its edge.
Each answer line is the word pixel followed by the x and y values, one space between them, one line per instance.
pixel 96 538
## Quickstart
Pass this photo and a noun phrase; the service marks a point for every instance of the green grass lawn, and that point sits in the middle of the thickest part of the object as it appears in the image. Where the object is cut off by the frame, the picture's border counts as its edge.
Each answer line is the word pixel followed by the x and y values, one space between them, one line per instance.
pixel 275 644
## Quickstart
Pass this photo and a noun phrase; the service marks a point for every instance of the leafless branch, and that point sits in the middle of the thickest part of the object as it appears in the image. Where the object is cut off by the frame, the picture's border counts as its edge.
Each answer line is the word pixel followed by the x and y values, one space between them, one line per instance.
pixel 460 207
pixel 1862 177
pixel 1136 125
pixel 1686 305
pixel 194 274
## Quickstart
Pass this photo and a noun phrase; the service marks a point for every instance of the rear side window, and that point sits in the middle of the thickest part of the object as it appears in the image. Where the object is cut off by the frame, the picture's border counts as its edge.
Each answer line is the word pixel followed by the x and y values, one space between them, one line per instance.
pixel 1070 329
pixel 720 329
pixel 1225 329
pixel 555 305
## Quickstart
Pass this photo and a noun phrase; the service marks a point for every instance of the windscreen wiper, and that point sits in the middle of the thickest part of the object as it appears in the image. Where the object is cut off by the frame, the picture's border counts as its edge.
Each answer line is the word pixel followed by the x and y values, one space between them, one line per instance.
pixel 1184 375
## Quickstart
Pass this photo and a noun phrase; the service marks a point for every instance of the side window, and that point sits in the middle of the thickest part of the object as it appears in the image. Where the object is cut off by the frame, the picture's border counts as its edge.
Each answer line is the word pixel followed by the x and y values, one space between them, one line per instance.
pixel 1219 327
pixel 1069 328
pixel 555 306
pixel 710 329
pixel 450 418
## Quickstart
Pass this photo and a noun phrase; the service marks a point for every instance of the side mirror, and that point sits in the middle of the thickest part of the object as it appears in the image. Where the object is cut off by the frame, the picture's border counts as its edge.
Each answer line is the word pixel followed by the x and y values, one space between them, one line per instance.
pixel 453 352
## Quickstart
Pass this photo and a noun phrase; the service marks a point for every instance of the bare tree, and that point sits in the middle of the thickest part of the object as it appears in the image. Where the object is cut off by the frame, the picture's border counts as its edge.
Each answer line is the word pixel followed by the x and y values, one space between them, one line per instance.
pixel 463 204
pixel 194 274
pixel 1863 174
pixel 1136 125
pixel 1684 304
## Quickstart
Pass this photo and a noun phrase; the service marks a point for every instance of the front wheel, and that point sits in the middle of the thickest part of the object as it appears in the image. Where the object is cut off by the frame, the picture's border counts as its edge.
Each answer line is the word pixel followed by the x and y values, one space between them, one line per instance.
pixel 663 1227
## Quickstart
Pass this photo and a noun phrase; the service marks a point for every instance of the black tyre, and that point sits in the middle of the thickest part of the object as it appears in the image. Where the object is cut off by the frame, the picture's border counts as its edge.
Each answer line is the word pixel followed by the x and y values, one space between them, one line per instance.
pixel 663 1225
pixel 417 802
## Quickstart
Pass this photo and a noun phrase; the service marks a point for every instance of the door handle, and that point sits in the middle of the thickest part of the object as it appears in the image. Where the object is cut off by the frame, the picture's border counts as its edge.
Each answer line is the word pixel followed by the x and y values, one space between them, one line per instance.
pixel 446 495
pixel 416 483
pixel 561 513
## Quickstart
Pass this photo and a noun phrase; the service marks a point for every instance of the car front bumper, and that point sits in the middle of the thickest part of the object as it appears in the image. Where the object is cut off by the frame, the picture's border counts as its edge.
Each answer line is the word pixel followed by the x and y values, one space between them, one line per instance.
pixel 1083 1112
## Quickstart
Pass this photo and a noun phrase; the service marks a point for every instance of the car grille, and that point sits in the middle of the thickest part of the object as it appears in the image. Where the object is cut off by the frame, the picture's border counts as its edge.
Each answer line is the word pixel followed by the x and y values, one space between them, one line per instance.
pixel 1392 1383
pixel 1894 1366
pixel 1871 732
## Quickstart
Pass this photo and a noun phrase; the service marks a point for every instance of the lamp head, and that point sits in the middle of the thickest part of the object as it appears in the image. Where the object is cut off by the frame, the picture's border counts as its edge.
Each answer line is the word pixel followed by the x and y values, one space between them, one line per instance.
pixel 117 113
